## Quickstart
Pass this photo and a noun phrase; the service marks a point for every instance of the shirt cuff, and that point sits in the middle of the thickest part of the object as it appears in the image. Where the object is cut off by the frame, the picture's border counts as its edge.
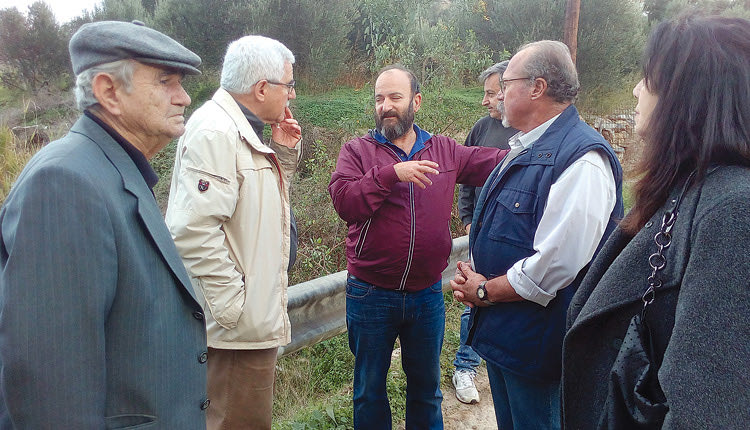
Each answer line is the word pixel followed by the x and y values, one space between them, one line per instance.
pixel 525 287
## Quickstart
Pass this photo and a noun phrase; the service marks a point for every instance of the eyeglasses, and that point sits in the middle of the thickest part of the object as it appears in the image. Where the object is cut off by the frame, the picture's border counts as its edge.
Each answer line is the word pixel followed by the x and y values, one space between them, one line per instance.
pixel 504 82
pixel 289 86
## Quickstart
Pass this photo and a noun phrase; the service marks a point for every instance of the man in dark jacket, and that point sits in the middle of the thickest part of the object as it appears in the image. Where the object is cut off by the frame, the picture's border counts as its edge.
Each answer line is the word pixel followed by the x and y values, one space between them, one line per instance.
pixel 99 324
pixel 540 219
pixel 394 188
pixel 488 131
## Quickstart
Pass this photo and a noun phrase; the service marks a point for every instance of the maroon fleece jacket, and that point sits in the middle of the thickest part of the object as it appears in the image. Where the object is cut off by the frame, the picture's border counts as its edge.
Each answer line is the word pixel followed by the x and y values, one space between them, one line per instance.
pixel 399 234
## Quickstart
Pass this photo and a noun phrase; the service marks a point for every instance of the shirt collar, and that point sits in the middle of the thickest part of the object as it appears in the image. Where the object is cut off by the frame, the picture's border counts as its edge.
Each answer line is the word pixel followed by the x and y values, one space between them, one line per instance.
pixel 527 139
pixel 422 137
pixel 137 156
pixel 256 123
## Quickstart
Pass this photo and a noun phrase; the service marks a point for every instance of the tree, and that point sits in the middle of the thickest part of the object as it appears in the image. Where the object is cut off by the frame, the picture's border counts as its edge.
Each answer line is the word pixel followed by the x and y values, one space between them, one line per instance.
pixel 33 49
pixel 610 38
pixel 735 8
pixel 207 26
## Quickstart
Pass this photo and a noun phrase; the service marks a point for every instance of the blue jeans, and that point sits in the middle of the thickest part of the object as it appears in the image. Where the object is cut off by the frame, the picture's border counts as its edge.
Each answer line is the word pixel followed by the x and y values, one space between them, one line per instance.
pixel 375 317
pixel 466 358
pixel 523 403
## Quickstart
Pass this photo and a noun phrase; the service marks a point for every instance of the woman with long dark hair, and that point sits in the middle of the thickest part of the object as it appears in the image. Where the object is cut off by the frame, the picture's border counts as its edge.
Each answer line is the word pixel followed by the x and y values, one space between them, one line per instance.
pixel 659 330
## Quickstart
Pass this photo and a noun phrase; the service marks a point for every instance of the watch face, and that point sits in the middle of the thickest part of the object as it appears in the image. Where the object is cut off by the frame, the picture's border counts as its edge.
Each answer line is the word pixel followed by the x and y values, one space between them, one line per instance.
pixel 481 292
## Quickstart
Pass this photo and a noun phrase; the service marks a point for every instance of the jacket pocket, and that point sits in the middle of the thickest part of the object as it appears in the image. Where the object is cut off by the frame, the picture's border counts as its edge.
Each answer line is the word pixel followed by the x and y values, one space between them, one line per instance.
pixel 362 237
pixel 131 421
pixel 200 172
pixel 224 302
pixel 515 217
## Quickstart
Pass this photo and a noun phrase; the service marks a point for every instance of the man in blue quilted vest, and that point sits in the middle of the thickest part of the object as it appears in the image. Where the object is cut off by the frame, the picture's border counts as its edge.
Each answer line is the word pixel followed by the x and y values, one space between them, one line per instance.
pixel 541 217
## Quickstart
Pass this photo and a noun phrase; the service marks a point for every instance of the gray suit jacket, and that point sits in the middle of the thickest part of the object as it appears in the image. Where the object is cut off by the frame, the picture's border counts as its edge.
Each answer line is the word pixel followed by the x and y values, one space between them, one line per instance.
pixel 700 319
pixel 99 327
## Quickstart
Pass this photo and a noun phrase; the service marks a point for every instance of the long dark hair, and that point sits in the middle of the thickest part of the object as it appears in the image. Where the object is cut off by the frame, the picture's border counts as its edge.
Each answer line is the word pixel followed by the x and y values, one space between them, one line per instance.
pixel 699 67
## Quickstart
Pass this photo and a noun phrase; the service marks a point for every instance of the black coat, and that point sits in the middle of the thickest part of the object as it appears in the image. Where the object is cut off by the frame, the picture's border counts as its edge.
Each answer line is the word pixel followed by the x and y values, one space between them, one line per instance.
pixel 700 319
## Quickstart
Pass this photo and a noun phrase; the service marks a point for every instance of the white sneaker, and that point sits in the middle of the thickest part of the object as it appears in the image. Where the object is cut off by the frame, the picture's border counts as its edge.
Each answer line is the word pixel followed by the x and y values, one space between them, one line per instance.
pixel 466 391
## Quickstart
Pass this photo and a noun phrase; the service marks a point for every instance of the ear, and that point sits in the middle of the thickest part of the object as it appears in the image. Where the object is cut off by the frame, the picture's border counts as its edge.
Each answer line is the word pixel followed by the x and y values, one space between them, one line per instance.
pixel 106 90
pixel 539 88
pixel 417 101
pixel 260 90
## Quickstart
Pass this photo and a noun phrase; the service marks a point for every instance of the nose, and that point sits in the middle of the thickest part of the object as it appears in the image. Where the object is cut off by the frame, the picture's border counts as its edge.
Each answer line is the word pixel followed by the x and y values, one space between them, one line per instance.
pixel 182 98
pixel 385 106
pixel 293 94
pixel 486 100
pixel 637 88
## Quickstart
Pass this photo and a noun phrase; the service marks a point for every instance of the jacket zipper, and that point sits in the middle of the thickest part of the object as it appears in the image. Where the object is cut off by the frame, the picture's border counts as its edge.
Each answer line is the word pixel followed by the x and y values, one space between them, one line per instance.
pixel 407 269
pixel 412 234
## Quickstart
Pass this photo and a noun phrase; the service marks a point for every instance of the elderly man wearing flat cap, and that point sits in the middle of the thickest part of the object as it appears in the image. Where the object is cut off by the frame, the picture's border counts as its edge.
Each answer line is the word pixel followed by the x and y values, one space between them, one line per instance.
pixel 99 325
pixel 229 215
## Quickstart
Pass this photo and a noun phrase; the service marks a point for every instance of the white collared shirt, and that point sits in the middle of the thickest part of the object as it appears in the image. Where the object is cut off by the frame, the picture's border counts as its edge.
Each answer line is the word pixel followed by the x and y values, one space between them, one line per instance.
pixel 572 225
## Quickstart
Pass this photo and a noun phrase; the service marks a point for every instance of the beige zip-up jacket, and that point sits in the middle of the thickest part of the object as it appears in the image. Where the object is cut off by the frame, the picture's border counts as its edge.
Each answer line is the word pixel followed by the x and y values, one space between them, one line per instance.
pixel 228 213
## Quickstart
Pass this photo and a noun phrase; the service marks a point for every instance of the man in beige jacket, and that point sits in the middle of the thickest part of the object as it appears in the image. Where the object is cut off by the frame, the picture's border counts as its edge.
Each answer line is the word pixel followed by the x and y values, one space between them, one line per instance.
pixel 229 216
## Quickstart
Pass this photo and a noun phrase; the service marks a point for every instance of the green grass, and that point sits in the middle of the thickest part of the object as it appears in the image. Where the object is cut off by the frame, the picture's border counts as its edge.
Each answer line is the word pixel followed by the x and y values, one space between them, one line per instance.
pixel 7 96
pixel 342 108
pixel 450 111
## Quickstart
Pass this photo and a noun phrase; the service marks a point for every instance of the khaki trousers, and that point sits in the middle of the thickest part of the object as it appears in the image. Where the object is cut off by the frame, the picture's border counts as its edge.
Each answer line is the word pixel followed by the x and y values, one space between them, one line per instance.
pixel 240 388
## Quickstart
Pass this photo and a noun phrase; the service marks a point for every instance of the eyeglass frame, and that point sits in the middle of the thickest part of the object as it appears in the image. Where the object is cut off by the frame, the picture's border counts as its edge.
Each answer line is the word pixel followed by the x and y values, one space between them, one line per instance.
pixel 290 85
pixel 503 82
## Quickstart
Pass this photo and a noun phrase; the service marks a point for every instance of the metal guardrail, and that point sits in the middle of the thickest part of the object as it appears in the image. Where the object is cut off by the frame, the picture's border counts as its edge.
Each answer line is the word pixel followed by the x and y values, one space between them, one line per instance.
pixel 317 308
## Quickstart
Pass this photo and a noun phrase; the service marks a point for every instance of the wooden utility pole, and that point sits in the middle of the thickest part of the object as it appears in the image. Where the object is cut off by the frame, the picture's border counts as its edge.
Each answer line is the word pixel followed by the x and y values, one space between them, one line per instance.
pixel 572 11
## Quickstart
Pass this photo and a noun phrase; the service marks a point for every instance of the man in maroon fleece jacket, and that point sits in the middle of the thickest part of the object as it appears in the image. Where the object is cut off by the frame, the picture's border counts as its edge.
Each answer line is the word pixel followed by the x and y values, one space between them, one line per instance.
pixel 394 188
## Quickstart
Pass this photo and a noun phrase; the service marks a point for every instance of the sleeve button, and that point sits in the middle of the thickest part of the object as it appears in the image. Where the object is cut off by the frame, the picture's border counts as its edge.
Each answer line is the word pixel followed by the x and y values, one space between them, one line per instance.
pixel 205 404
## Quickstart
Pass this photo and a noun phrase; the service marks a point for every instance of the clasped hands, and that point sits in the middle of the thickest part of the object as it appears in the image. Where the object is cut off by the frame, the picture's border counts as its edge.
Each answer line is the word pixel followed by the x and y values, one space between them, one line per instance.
pixel 466 282
pixel 464 285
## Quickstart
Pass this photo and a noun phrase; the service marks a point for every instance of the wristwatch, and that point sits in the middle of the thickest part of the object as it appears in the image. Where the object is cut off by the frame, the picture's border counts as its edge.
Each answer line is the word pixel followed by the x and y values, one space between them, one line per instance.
pixel 482 293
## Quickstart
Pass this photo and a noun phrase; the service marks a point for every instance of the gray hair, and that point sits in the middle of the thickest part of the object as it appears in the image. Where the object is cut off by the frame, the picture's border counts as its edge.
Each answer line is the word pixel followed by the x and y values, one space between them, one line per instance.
pixel 252 58
pixel 121 71
pixel 497 68
pixel 550 60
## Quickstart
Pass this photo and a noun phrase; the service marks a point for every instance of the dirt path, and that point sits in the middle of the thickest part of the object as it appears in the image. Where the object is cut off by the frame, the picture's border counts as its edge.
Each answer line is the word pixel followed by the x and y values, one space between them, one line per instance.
pixel 460 416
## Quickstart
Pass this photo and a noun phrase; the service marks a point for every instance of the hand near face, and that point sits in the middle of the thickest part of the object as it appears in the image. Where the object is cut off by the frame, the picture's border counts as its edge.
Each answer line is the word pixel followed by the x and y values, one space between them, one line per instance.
pixel 287 132
pixel 416 171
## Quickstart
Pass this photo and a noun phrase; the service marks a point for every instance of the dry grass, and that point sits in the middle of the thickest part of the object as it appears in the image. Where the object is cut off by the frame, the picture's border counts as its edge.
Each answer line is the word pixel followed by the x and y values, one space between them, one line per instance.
pixel 13 157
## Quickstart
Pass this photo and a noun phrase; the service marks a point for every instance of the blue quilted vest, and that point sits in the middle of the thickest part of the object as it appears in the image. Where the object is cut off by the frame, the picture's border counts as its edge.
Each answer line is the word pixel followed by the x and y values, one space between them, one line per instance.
pixel 525 337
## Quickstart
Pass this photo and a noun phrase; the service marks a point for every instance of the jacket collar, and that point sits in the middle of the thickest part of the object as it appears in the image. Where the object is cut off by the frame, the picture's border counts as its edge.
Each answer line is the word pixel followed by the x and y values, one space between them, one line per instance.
pixel 133 182
pixel 419 144
pixel 227 103
pixel 544 150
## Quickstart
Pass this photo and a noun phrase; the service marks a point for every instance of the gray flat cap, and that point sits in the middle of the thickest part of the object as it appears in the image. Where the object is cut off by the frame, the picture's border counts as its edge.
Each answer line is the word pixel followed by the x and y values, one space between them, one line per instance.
pixel 103 42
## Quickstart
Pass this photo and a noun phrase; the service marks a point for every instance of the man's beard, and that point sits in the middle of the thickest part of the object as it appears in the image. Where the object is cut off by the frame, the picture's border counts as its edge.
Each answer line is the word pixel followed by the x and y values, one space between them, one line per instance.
pixel 402 125
pixel 501 109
